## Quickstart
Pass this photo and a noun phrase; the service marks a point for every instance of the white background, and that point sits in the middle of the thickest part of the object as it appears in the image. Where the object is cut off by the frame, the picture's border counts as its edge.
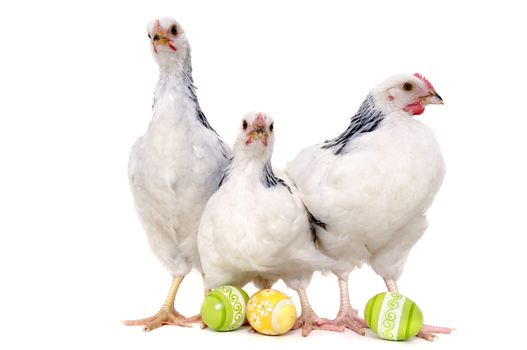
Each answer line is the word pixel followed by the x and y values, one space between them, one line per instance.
pixel 76 90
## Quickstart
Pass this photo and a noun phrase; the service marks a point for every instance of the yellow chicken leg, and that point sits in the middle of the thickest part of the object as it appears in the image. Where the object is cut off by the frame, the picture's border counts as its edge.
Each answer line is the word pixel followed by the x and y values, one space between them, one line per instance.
pixel 167 315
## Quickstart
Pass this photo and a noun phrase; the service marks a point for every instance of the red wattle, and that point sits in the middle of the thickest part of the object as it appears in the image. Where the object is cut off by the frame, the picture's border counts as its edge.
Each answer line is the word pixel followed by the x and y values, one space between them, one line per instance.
pixel 172 46
pixel 415 108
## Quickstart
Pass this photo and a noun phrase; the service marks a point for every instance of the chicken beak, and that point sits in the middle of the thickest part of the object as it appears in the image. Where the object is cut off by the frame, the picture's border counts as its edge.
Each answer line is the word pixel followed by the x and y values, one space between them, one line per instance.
pixel 159 39
pixel 432 99
pixel 163 41
pixel 257 135
pixel 259 131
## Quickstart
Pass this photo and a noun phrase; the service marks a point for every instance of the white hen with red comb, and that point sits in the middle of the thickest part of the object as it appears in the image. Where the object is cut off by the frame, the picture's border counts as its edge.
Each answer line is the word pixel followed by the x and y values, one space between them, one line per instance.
pixel 371 186
pixel 175 166
pixel 255 228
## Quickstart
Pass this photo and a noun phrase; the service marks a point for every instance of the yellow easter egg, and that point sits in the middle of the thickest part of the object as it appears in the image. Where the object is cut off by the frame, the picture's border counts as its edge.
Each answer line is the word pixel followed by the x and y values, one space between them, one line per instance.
pixel 271 312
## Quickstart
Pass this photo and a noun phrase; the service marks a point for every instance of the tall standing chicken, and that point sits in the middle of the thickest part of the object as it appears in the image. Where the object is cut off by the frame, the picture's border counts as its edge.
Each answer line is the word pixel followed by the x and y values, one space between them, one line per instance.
pixel 255 228
pixel 371 186
pixel 175 166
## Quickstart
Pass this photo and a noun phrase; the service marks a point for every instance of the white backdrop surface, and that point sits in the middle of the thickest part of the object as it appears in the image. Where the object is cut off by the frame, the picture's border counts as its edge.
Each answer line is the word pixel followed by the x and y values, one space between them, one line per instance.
pixel 76 91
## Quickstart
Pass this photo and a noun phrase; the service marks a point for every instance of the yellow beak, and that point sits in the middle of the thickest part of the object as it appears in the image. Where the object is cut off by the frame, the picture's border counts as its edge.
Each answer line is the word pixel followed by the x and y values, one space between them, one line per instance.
pixel 162 40
pixel 432 99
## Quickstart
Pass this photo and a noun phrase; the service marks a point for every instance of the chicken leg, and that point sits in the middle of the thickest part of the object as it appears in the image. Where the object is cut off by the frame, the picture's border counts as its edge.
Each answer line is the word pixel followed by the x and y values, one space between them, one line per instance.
pixel 427 332
pixel 167 315
pixel 347 316
pixel 309 320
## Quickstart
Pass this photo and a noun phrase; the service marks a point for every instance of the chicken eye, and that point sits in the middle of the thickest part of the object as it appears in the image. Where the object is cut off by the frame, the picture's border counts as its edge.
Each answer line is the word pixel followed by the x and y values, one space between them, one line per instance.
pixel 244 125
pixel 173 30
pixel 149 36
pixel 407 87
pixel 271 127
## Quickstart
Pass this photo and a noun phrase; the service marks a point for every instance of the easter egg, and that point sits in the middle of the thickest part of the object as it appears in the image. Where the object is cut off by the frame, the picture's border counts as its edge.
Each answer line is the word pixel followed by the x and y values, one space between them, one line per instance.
pixel 393 316
pixel 223 309
pixel 271 312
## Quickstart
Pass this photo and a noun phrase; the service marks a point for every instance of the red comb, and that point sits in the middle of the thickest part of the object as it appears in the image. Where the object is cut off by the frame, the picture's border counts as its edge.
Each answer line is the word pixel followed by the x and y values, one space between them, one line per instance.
pixel 157 27
pixel 427 83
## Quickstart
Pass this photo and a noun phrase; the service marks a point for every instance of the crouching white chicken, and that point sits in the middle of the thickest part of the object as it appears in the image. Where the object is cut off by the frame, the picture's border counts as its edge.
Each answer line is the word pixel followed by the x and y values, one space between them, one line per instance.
pixel 175 167
pixel 371 186
pixel 255 228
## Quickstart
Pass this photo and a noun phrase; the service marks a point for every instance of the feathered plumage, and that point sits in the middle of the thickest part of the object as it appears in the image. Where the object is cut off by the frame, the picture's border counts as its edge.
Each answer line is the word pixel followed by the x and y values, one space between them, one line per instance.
pixel 177 164
pixel 255 228
pixel 371 186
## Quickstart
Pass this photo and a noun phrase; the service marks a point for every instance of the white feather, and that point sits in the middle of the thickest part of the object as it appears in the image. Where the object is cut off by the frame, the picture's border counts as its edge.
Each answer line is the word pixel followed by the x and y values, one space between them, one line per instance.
pixel 373 197
pixel 175 167
pixel 252 232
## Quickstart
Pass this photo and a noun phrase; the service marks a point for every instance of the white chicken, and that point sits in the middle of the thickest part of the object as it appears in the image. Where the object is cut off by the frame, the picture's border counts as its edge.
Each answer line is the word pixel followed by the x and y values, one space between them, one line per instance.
pixel 174 167
pixel 371 186
pixel 255 228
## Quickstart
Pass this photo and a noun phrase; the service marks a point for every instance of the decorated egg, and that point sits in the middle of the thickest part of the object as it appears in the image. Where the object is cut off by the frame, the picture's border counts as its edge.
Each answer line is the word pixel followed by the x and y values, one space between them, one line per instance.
pixel 393 316
pixel 271 312
pixel 223 309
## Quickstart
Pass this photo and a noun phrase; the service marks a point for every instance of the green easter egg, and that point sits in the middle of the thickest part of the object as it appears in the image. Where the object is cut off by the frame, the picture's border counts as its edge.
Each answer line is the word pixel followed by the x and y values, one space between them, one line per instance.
pixel 223 309
pixel 393 316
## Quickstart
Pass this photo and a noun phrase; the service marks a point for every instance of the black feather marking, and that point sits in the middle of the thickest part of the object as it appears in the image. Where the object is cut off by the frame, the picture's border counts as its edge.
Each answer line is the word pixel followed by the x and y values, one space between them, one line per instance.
pixel 367 119
pixel 316 221
pixel 313 221
pixel 269 179
pixel 190 89
pixel 226 172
